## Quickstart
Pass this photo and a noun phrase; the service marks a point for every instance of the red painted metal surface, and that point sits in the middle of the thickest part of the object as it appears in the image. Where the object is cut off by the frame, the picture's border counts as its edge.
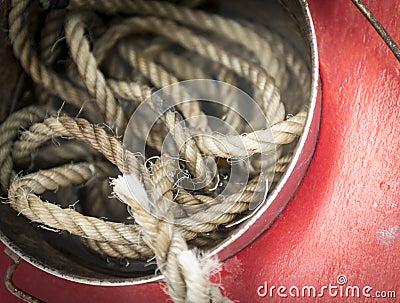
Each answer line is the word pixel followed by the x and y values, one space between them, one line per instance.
pixel 345 217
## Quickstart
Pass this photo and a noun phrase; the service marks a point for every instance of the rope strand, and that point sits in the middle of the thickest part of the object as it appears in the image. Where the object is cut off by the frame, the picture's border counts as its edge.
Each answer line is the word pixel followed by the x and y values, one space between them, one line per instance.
pixel 105 58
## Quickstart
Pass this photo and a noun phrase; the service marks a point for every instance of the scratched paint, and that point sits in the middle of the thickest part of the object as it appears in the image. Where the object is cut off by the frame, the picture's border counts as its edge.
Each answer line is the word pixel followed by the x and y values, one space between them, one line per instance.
pixel 387 236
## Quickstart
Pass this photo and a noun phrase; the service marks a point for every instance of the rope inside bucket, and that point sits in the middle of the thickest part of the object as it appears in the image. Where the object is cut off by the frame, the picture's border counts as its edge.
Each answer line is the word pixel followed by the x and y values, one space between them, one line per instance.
pixel 92 63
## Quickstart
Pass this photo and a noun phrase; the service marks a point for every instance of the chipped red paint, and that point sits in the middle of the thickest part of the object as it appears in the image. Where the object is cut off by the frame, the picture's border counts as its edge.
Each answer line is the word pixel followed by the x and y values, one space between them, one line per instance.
pixel 344 218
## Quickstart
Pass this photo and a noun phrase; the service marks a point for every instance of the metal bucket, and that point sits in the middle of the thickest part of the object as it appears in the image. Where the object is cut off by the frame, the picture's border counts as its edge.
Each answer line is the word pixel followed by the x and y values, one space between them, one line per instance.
pixel 47 250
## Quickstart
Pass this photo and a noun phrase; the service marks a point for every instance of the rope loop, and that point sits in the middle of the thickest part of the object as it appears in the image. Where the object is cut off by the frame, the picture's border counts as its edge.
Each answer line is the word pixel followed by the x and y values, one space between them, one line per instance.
pixel 117 98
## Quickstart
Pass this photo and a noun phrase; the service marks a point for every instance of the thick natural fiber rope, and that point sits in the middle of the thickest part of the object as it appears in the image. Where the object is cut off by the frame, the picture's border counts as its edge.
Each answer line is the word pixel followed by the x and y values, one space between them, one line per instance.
pixel 272 105
pixel 159 78
pixel 75 223
pixel 112 149
pixel 30 61
pixel 88 69
pixel 259 41
pixel 9 131
pixel 205 21
pixel 182 270
pixel 163 237
pixel 23 198
pixel 97 137
pixel 114 93
pixel 199 223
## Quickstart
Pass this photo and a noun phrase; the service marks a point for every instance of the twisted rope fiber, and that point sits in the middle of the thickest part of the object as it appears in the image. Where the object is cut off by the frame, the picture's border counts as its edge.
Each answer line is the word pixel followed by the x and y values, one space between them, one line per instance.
pixel 294 63
pixel 272 105
pixel 259 41
pixel 23 199
pixel 259 141
pixel 87 66
pixel 67 127
pixel 179 66
pixel 94 135
pixel 9 131
pixel 99 192
pixel 227 27
pixel 185 70
pixel 23 50
pixel 112 149
pixel 75 223
pixel 157 72
pixel 181 268
pixel 160 77
pixel 156 231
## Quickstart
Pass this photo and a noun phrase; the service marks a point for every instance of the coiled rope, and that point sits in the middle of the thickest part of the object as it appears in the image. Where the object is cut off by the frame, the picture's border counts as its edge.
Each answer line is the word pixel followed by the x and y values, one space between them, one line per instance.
pixel 96 41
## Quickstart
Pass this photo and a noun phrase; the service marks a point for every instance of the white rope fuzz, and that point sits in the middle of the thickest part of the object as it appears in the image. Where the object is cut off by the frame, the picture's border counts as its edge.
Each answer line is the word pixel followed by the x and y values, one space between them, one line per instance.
pixel 179 265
